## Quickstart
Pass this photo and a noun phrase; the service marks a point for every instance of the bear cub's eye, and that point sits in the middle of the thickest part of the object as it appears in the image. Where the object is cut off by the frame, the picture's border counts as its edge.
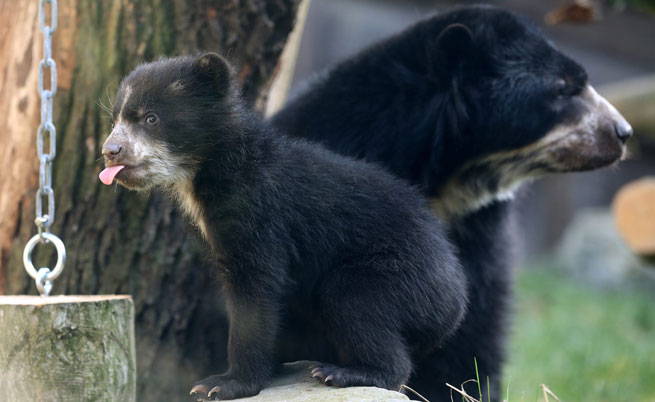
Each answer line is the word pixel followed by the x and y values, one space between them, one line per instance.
pixel 151 119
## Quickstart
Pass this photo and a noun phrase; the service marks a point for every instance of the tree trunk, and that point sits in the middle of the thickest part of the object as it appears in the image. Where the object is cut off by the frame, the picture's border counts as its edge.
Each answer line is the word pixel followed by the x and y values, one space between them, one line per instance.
pixel 67 348
pixel 118 241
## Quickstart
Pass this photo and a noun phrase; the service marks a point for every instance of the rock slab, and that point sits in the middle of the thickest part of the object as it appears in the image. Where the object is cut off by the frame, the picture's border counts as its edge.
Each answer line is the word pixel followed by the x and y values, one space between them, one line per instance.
pixel 592 251
pixel 295 384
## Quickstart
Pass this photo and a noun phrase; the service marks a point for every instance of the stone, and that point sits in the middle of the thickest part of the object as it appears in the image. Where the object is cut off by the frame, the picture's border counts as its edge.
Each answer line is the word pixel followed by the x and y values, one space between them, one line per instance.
pixel 295 384
pixel 592 250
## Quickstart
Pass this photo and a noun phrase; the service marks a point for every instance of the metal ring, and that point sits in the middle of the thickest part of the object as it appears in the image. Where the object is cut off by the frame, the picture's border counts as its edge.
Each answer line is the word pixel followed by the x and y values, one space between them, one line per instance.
pixel 61 255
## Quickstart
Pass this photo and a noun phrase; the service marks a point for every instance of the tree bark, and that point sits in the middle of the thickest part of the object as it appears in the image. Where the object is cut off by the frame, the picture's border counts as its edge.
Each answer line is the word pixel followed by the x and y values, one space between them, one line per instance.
pixel 118 241
pixel 67 348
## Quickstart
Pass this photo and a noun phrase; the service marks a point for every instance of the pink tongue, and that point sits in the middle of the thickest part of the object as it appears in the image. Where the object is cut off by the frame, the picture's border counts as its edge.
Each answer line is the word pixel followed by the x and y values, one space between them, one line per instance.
pixel 107 175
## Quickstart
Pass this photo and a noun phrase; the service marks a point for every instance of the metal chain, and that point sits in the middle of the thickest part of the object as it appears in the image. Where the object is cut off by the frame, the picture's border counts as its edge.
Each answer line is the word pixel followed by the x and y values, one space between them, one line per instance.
pixel 43 222
pixel 44 276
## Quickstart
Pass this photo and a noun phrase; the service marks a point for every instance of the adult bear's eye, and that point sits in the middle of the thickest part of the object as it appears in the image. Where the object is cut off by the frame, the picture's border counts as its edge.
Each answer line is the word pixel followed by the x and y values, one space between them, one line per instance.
pixel 151 119
pixel 560 87
pixel 564 89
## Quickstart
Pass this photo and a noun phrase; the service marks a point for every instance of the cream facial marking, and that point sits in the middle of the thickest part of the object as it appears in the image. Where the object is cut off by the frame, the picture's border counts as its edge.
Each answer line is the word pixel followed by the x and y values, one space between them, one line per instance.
pixel 126 97
pixel 183 192
pixel 157 166
pixel 176 86
pixel 568 147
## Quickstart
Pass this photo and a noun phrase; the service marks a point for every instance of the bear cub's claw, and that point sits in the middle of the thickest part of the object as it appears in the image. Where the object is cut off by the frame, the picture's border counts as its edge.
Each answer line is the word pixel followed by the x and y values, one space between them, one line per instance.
pixel 331 375
pixel 199 391
pixel 221 387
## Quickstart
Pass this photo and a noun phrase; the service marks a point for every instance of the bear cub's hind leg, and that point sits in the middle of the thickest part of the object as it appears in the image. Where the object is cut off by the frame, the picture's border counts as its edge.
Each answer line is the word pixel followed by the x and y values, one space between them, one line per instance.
pixel 363 330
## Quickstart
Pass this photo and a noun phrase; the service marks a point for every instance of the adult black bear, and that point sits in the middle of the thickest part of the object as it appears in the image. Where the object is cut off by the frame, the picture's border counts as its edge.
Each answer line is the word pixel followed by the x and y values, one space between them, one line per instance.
pixel 310 245
pixel 467 105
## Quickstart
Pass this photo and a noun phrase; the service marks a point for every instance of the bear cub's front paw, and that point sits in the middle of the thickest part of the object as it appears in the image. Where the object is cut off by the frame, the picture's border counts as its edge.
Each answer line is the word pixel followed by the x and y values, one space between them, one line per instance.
pixel 331 375
pixel 222 387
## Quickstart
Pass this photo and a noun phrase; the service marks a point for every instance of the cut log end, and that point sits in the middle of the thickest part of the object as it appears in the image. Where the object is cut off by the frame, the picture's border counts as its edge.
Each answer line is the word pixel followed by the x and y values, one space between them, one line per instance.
pixel 41 301
pixel 634 214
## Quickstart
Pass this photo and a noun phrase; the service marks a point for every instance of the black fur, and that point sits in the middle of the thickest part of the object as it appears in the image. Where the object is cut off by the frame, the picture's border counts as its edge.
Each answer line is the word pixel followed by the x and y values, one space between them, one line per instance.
pixel 430 104
pixel 321 257
pixel 423 106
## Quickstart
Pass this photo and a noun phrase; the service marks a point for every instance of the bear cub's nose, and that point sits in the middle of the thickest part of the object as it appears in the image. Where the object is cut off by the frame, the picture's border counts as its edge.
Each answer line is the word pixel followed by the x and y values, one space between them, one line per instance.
pixel 111 150
pixel 623 131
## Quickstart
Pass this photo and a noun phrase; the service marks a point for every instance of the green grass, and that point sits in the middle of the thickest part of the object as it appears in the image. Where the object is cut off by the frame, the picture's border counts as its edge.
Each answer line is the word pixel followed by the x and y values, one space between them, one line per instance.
pixel 642 5
pixel 584 343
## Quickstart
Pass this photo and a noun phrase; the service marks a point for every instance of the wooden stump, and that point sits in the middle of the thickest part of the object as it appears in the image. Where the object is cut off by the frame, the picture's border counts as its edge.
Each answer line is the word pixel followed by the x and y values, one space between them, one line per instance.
pixel 67 348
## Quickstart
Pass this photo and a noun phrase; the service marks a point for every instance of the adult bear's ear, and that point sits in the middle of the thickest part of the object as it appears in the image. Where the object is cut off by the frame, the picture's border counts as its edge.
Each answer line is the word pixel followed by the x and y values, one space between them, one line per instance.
pixel 213 69
pixel 446 53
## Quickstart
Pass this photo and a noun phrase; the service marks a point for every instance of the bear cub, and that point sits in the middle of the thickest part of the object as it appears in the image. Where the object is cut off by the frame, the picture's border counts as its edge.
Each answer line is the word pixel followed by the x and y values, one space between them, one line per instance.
pixel 320 256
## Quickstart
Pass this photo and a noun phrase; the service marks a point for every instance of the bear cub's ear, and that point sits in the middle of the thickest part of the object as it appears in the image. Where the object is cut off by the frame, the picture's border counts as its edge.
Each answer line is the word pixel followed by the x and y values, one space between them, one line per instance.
pixel 213 69
pixel 448 50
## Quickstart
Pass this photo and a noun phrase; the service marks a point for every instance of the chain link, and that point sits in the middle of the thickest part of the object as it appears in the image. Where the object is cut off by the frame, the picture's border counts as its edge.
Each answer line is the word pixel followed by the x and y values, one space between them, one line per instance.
pixel 44 276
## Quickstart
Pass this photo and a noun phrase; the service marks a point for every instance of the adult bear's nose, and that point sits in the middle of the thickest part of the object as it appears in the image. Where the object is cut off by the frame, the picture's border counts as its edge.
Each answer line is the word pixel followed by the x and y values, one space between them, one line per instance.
pixel 623 131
